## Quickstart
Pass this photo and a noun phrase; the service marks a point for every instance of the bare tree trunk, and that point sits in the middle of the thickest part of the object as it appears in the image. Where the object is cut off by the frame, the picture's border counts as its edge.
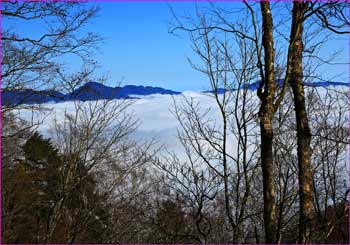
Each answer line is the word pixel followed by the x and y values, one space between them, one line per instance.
pixel 266 115
pixel 303 130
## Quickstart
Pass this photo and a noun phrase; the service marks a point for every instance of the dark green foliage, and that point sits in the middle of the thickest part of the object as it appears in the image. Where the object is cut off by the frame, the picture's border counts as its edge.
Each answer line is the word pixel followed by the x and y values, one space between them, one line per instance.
pixel 35 188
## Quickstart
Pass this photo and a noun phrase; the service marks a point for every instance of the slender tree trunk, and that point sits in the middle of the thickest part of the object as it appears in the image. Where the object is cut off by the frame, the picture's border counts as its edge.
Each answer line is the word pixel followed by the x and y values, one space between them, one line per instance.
pixel 303 130
pixel 266 130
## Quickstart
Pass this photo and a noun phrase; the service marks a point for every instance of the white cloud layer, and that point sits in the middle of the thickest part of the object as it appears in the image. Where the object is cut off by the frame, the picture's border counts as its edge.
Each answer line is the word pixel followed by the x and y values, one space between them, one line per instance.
pixel 154 113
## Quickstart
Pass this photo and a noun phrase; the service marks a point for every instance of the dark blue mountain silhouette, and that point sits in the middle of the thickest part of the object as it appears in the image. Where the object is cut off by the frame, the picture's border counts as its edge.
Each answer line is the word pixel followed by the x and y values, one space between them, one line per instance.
pixel 279 82
pixel 145 90
pixel 87 92
pixel 325 84
pixel 16 97
pixel 95 91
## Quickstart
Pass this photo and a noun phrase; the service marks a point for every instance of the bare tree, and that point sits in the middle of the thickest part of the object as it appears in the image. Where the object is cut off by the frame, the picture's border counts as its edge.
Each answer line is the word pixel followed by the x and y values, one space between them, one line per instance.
pixel 294 76
pixel 96 135
pixel 30 62
pixel 328 120
pixel 303 130
pixel 266 116
pixel 327 16
pixel 224 143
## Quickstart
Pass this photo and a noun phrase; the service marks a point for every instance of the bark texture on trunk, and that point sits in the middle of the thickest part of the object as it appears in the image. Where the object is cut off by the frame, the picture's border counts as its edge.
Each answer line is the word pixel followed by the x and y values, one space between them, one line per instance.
pixel 266 130
pixel 303 130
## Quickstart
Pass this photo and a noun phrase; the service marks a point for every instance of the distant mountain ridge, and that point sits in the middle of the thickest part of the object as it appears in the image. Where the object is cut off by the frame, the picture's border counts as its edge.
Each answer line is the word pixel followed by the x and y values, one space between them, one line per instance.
pixel 95 91
pixel 279 82
pixel 87 92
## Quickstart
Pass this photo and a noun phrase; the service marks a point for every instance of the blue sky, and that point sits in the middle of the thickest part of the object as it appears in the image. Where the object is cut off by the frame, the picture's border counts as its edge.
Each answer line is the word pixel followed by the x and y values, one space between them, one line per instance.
pixel 139 50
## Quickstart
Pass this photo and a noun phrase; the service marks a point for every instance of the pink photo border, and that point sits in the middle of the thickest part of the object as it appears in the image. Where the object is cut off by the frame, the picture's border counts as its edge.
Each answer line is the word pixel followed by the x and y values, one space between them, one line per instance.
pixel 135 1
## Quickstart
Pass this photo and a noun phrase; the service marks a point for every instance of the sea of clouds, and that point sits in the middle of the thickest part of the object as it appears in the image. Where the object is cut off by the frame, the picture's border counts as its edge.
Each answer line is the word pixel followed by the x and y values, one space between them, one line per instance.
pixel 155 114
